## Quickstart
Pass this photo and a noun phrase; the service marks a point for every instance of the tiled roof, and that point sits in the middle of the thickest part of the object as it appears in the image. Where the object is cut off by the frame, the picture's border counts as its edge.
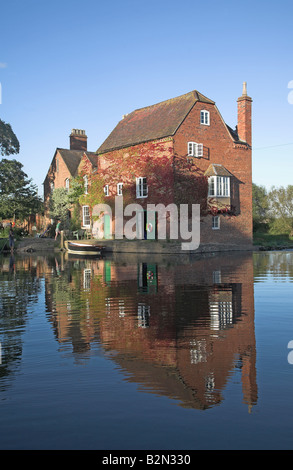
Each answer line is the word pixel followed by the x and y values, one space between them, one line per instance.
pixel 216 169
pixel 153 122
pixel 72 158
pixel 93 158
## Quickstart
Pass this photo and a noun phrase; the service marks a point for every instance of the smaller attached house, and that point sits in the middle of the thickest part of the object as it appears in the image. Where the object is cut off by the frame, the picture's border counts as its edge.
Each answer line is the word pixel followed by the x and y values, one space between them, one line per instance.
pixel 66 165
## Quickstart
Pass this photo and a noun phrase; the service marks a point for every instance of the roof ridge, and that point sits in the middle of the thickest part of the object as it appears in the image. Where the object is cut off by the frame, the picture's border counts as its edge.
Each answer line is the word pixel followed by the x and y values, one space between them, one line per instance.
pixel 197 95
pixel 155 121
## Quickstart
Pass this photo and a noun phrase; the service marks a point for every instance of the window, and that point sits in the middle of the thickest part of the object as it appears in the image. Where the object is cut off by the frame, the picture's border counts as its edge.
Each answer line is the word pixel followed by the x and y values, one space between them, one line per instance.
pixel 219 186
pixel 86 184
pixel 141 187
pixel 86 221
pixel 221 315
pixel 119 189
pixel 217 277
pixel 106 190
pixel 143 314
pixel 205 117
pixel 195 150
pixel 87 274
pixel 67 184
pixel 216 222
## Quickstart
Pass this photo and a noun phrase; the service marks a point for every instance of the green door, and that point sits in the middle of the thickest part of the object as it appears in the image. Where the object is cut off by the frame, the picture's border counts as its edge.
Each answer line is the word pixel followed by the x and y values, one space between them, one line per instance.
pixel 107 272
pixel 151 225
pixel 107 226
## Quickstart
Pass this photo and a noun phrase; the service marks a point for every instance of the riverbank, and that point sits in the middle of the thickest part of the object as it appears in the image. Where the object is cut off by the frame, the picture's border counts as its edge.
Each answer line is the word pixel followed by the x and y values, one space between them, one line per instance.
pixel 31 245
pixel 42 245
pixel 47 245
pixel 269 242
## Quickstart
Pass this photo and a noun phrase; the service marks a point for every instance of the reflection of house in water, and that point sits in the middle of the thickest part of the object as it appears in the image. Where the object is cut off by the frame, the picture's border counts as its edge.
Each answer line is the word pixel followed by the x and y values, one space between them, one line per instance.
pixel 180 329
pixel 191 332
pixel 147 278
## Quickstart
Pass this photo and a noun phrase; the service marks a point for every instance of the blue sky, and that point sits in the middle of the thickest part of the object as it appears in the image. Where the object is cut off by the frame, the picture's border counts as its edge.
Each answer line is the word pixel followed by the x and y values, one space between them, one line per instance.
pixel 83 64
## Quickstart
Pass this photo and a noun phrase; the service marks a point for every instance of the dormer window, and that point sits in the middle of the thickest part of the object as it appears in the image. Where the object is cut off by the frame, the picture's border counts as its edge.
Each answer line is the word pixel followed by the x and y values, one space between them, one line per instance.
pixel 205 117
pixel 195 149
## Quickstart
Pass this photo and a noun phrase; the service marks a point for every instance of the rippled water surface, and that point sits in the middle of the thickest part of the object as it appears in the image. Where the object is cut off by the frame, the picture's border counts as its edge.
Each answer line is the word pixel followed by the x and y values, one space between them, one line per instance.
pixel 146 352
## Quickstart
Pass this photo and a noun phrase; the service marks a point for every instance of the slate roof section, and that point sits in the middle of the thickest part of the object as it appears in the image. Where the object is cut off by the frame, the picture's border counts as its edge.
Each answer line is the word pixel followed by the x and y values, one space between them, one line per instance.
pixel 153 122
pixel 234 134
pixel 93 158
pixel 72 158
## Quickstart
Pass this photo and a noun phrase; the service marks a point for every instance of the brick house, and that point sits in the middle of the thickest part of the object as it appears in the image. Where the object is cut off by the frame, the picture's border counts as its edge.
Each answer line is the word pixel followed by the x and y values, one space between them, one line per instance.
pixel 67 163
pixel 181 151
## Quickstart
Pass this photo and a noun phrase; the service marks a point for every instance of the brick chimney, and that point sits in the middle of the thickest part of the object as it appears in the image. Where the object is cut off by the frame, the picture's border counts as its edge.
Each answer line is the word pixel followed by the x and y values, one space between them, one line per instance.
pixel 78 140
pixel 244 116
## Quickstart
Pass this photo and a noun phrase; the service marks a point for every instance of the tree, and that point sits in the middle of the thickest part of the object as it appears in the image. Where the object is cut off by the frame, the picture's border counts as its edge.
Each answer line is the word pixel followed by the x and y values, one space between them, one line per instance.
pixel 260 205
pixel 59 205
pixel 8 141
pixel 281 205
pixel 18 195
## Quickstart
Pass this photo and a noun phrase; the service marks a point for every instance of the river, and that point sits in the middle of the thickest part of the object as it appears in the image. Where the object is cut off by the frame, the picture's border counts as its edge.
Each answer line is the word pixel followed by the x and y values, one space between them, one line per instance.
pixel 146 352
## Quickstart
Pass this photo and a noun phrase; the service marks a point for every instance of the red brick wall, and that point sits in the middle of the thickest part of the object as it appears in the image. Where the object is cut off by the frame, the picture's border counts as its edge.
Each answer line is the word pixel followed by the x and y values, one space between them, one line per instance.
pixel 153 160
pixel 156 161
pixel 219 148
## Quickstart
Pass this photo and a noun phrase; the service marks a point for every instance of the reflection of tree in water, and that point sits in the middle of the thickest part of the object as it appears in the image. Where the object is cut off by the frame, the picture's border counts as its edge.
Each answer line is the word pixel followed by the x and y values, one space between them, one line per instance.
pixel 19 287
pixel 69 305
pixel 276 263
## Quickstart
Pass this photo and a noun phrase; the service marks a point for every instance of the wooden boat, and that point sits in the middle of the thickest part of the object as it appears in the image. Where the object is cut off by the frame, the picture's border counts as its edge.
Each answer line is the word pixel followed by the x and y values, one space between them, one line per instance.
pixel 80 248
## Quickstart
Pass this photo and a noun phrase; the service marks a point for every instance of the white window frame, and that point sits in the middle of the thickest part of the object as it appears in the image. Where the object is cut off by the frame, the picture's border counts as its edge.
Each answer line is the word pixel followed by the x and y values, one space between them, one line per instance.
pixel 67 183
pixel 219 186
pixel 141 187
pixel 143 315
pixel 195 149
pixel 205 117
pixel 106 190
pixel 216 222
pixel 86 216
pixel 119 189
pixel 87 275
pixel 86 184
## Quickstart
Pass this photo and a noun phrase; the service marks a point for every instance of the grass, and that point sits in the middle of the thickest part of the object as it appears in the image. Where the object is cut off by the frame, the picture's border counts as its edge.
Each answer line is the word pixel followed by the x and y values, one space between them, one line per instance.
pixel 3 242
pixel 273 241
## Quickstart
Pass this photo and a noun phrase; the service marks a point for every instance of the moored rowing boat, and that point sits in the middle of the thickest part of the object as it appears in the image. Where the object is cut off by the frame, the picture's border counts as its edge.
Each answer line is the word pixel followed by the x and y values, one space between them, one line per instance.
pixel 80 248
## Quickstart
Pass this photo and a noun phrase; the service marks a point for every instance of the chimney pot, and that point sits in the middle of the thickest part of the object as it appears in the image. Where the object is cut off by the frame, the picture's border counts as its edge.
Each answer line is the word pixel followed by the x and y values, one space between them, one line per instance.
pixel 78 140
